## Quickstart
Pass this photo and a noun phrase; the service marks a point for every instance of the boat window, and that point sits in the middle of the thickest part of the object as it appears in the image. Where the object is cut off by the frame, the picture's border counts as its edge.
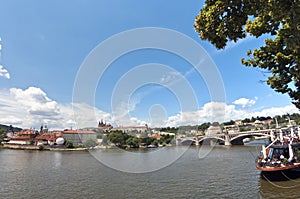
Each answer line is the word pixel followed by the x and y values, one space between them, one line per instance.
pixel 270 153
pixel 276 153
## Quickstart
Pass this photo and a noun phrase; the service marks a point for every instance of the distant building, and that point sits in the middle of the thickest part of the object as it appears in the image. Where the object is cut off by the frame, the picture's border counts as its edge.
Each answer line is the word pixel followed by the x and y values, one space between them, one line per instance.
pixel 24 140
pixel 27 132
pixel 230 129
pixel 23 137
pixel 48 138
pixel 238 122
pixel 196 132
pixel 79 137
pixel 167 133
pixel 267 122
pixel 104 127
pixel 156 136
pixel 213 130
pixel 258 122
pixel 132 129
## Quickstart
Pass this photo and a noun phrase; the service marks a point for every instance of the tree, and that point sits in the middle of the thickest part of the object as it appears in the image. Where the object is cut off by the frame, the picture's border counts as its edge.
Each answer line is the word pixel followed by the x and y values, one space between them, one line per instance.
pixel 231 122
pixel 246 120
pixel 204 126
pixel 166 139
pixel 223 21
pixel 90 143
pixel 2 134
pixel 104 140
pixel 132 142
pixel 69 145
pixel 118 138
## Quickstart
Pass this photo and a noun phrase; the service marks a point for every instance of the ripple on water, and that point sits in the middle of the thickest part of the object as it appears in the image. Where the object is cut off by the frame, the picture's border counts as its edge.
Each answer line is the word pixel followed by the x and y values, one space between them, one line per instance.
pixel 224 173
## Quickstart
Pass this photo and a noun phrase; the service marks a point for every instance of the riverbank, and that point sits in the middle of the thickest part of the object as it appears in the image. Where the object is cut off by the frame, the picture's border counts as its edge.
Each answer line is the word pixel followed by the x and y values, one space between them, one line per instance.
pixel 68 174
pixel 43 148
pixel 48 148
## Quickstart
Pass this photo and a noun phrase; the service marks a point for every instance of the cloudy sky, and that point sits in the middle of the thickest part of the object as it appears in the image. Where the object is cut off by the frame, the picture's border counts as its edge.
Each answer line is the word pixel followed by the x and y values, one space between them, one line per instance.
pixel 62 65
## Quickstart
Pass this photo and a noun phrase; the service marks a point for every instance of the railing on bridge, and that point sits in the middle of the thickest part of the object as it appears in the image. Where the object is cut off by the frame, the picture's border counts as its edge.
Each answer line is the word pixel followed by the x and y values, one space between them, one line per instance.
pixel 231 138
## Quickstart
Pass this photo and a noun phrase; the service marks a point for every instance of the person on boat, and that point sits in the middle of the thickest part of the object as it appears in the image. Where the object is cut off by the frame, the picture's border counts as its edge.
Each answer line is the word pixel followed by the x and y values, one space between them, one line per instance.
pixel 263 161
pixel 281 157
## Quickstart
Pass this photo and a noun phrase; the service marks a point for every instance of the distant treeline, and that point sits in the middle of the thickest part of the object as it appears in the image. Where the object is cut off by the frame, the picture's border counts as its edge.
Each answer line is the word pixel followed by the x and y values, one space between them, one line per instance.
pixel 202 127
pixel 5 128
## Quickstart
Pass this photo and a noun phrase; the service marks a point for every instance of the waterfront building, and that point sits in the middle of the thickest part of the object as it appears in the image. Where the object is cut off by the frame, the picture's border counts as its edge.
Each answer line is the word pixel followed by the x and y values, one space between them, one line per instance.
pixel 238 122
pixel 132 129
pixel 156 136
pixel 48 138
pixel 24 140
pixel 79 137
pixel 231 129
pixel 24 137
pixel 213 130
pixel 196 132
pixel 104 127
pixel 167 133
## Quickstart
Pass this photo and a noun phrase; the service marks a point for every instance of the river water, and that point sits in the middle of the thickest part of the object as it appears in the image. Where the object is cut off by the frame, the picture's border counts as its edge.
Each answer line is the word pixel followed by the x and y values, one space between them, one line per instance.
pixel 225 172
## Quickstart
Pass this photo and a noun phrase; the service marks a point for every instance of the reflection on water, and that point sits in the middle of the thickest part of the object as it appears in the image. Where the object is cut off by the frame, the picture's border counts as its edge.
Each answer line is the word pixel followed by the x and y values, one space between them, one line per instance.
pixel 280 186
pixel 139 161
pixel 226 172
pixel 57 160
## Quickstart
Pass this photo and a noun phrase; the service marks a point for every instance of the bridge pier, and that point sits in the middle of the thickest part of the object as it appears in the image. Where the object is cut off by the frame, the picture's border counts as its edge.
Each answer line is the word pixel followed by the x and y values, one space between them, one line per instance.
pixel 227 141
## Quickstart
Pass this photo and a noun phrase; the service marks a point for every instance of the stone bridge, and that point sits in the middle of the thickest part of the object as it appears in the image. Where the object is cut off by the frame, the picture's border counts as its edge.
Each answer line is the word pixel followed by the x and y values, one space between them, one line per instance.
pixel 227 139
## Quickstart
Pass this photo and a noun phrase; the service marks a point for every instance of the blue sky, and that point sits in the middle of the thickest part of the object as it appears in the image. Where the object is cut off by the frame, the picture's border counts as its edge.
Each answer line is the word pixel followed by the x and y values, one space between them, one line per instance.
pixel 44 44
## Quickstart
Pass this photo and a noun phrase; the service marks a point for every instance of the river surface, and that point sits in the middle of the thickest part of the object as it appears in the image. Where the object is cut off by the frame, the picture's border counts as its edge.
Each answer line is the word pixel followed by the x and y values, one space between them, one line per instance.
pixel 225 172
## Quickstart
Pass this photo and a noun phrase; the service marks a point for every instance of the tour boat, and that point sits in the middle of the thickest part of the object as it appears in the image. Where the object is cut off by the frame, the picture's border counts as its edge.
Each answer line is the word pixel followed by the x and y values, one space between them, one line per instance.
pixel 282 154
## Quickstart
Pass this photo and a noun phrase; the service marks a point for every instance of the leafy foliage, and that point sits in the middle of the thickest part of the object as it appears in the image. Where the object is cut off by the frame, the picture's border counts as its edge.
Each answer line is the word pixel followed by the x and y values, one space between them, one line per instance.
pixel 1 135
pixel 118 138
pixel 5 128
pixel 167 139
pixel 90 143
pixel 171 129
pixel 69 145
pixel 204 126
pixel 41 148
pixel 9 128
pixel 104 140
pixel 132 142
pixel 223 21
pixel 231 122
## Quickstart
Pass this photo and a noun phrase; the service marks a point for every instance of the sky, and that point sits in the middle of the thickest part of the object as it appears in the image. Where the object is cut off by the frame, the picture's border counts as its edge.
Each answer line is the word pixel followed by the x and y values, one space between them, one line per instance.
pixel 69 64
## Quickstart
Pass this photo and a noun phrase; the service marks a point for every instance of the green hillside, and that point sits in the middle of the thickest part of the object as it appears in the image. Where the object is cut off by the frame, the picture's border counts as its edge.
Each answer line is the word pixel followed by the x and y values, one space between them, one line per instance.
pixel 4 128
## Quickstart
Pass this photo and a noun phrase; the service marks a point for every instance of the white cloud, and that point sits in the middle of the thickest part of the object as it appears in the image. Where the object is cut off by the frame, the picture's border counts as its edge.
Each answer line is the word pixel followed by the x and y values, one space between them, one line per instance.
pixel 275 111
pixel 210 112
pixel 221 112
pixel 86 115
pixel 28 108
pixel 32 107
pixel 4 73
pixel 35 101
pixel 244 102
pixel 172 76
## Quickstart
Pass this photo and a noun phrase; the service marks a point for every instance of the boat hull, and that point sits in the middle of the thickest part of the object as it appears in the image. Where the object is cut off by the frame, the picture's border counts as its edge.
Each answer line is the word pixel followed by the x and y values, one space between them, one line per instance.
pixel 283 175
pixel 279 168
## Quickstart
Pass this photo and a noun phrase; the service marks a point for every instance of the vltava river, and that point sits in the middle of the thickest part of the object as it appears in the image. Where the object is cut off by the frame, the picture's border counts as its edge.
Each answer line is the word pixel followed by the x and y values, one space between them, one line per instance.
pixel 226 172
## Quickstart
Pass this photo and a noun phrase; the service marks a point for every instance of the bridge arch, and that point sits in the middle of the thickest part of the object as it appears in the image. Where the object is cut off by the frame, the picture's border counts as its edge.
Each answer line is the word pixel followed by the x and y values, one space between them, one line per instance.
pixel 249 135
pixel 239 138
pixel 203 139
pixel 188 141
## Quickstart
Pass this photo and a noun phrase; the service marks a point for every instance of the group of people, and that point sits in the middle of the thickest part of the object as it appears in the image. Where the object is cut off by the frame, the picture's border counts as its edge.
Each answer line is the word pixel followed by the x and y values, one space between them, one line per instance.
pixel 282 150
